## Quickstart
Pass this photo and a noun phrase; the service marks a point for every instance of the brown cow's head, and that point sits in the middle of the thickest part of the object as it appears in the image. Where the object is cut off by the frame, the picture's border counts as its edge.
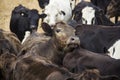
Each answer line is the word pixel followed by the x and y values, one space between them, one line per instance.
pixel 63 35
pixel 113 8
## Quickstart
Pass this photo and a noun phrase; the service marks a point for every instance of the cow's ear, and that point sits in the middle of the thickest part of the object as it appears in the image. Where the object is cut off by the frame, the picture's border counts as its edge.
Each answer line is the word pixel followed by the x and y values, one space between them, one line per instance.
pixel 63 12
pixel 46 28
pixel 42 15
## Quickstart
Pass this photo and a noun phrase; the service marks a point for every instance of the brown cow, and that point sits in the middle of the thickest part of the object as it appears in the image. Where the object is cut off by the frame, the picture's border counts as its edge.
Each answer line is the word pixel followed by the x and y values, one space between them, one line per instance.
pixel 6 66
pixel 63 39
pixel 113 9
pixel 81 59
pixel 39 68
pixel 9 42
pixel 9 48
pixel 32 40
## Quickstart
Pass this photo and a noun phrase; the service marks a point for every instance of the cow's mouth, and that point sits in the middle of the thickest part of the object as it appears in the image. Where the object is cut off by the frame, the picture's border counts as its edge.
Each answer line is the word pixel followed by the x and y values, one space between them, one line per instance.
pixel 71 46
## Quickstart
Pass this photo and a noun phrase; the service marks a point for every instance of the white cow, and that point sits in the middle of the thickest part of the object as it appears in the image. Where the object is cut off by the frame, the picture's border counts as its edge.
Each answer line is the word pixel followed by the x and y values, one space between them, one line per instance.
pixel 58 10
pixel 114 51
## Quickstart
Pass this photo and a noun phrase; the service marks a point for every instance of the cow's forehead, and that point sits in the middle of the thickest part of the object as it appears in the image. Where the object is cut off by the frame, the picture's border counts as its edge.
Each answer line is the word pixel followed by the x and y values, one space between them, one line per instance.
pixel 51 10
pixel 64 26
pixel 88 12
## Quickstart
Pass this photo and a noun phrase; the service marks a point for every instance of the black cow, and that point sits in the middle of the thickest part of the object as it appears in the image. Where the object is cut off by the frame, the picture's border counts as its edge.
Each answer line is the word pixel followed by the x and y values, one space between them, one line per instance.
pixel 24 19
pixel 87 13
pixel 63 39
pixel 113 9
pixel 81 59
pixel 97 38
pixel 103 4
pixel 43 3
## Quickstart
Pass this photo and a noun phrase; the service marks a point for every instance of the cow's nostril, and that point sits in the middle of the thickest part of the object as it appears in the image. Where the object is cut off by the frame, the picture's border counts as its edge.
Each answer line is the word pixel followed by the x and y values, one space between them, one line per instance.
pixel 72 39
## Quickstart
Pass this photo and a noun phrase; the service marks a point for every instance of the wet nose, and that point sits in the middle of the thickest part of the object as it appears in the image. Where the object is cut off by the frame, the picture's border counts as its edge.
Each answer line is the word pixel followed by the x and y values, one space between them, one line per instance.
pixel 74 39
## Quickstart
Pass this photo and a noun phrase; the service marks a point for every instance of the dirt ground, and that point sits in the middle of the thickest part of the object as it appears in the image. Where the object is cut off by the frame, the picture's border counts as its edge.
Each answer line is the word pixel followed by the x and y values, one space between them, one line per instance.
pixel 6 7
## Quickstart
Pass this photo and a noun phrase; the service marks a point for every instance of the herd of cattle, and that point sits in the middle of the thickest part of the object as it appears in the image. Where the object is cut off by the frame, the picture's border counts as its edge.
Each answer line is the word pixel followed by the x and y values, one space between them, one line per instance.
pixel 79 42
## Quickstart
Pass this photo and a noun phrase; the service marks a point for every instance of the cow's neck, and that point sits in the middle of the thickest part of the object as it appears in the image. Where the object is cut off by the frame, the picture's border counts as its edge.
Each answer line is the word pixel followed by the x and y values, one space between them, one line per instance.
pixel 58 53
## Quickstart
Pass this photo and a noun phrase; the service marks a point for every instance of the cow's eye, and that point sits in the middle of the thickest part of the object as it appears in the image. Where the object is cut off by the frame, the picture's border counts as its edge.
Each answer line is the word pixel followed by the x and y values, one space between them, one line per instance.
pixel 22 14
pixel 58 30
pixel 84 20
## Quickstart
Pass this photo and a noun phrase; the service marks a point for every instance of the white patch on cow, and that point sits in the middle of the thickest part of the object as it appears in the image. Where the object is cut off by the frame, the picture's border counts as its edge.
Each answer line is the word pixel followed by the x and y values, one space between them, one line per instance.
pixel 114 50
pixel 72 4
pixel 27 33
pixel 88 15
pixel 54 11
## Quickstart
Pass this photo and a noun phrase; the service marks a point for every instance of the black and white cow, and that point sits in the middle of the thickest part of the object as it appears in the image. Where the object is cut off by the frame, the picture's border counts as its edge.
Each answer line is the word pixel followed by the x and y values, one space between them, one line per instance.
pixel 87 13
pixel 43 3
pixel 114 50
pixel 24 19
pixel 57 10
pixel 99 38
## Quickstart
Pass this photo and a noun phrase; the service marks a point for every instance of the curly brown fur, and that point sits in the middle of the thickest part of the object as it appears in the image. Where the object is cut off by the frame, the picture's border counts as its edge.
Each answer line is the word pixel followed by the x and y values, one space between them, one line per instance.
pixel 6 66
pixel 39 68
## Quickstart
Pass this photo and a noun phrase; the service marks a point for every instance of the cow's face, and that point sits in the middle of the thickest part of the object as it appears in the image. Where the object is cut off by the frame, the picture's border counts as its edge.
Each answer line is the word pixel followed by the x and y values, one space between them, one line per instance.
pixel 34 17
pixel 88 15
pixel 53 15
pixel 65 36
pixel 24 19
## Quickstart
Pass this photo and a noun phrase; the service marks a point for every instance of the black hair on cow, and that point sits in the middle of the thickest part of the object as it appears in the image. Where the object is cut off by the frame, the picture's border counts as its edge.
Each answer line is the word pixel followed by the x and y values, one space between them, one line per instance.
pixel 47 28
pixel 43 3
pixel 24 19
